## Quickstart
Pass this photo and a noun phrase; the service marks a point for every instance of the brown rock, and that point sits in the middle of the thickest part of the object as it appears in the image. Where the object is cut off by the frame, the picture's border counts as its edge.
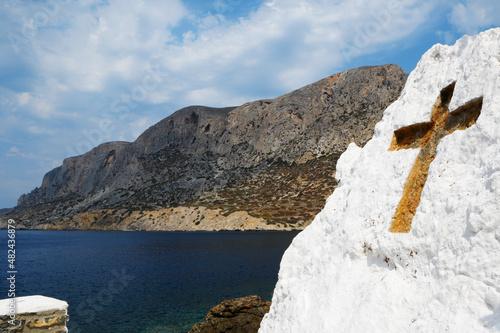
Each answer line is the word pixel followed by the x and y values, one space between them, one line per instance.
pixel 238 315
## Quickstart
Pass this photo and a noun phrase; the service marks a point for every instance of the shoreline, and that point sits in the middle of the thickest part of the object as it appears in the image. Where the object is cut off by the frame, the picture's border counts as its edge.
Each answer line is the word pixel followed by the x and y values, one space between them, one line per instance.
pixel 168 231
pixel 181 218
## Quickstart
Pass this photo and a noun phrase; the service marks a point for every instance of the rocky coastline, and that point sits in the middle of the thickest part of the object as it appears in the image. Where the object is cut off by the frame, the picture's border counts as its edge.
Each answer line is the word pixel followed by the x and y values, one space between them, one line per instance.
pixel 168 219
pixel 242 315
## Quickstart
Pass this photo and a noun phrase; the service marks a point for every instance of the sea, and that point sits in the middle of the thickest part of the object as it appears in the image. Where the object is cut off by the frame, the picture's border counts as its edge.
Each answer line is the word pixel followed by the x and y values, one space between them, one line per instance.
pixel 120 281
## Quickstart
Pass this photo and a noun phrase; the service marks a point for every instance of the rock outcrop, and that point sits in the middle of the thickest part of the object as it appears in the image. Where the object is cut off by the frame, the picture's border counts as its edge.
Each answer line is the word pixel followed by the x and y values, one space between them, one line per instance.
pixel 271 159
pixel 238 315
pixel 410 239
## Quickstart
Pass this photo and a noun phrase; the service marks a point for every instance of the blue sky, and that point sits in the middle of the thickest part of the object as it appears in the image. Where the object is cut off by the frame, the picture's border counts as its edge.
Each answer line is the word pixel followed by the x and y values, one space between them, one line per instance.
pixel 78 73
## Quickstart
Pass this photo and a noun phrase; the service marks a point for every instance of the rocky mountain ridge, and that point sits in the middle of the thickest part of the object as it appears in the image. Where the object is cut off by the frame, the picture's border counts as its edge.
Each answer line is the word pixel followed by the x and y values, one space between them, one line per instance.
pixel 271 159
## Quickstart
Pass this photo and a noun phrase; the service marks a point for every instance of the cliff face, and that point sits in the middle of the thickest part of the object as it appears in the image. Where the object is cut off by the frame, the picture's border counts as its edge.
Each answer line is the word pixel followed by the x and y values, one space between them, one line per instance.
pixel 259 158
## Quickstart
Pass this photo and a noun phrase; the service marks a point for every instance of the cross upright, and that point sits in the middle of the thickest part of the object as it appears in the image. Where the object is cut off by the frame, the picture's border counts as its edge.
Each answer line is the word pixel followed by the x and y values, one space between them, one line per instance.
pixel 427 137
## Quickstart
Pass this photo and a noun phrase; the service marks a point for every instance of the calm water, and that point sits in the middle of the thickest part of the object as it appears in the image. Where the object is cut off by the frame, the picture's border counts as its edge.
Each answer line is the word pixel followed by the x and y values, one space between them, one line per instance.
pixel 144 281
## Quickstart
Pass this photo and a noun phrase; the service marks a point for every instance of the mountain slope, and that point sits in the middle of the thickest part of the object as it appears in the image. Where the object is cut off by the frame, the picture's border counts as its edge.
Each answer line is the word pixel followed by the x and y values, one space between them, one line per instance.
pixel 259 158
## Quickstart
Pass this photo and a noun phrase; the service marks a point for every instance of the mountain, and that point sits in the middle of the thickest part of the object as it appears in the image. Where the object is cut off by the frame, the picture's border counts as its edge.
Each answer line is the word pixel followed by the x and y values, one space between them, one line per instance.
pixel 410 239
pixel 265 164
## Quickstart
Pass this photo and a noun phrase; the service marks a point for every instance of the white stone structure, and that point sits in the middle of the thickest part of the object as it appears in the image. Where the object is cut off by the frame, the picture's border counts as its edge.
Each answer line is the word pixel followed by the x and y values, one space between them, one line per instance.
pixel 32 314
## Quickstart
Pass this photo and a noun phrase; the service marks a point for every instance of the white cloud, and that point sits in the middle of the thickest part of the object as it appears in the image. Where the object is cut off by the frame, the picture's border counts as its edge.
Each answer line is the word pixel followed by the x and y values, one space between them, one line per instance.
pixel 105 41
pixel 105 47
pixel 447 36
pixel 9 101
pixel 40 130
pixel 472 16
pixel 139 126
pixel 42 104
pixel 23 98
pixel 286 44
pixel 213 97
pixel 42 108
pixel 211 21
pixel 14 151
pixel 93 53
pixel 42 160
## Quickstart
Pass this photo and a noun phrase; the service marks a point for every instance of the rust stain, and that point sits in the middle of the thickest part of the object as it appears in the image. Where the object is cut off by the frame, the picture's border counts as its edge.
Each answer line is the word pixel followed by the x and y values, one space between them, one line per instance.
pixel 427 137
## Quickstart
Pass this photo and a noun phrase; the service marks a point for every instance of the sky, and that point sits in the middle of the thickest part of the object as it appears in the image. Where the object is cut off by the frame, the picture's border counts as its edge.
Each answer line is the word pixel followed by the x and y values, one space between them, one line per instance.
pixel 77 73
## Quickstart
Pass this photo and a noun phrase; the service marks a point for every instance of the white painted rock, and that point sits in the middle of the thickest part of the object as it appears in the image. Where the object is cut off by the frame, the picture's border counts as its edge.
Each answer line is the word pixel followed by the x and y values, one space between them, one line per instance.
pixel 347 273
pixel 32 304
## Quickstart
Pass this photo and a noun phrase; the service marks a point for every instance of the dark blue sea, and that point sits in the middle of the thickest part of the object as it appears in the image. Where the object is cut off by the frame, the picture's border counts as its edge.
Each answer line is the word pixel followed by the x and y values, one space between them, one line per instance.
pixel 143 281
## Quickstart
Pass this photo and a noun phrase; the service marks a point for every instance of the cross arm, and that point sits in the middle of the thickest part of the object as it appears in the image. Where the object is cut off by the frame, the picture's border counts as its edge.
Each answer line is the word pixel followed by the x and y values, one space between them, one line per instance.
pixel 464 116
pixel 413 136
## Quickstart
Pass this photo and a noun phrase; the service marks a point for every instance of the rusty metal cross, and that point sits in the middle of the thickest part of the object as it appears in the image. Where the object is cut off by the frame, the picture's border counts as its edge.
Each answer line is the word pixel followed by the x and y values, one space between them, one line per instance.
pixel 427 137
